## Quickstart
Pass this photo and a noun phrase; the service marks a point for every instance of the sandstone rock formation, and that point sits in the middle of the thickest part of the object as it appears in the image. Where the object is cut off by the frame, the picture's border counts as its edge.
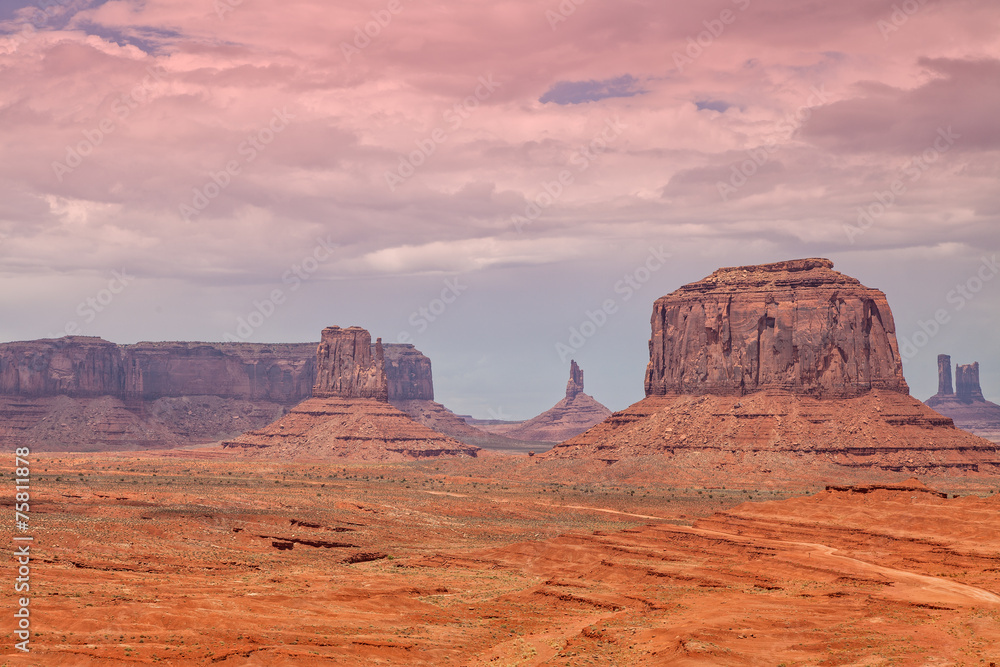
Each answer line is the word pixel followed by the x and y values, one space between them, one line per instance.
pixel 84 393
pixel 281 373
pixel 966 406
pixel 780 365
pixel 571 416
pixel 799 326
pixel 346 367
pixel 349 416
pixel 409 373
pixel 80 366
pixel 84 366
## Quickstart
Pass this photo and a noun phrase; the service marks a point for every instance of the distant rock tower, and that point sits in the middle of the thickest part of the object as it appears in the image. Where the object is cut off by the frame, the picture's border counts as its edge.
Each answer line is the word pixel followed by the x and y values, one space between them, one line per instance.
pixel 944 375
pixel 575 384
pixel 967 406
pixel 967 387
pixel 569 417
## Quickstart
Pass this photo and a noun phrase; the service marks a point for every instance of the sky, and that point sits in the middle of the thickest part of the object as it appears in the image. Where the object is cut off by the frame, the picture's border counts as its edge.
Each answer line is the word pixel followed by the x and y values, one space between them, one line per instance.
pixel 506 184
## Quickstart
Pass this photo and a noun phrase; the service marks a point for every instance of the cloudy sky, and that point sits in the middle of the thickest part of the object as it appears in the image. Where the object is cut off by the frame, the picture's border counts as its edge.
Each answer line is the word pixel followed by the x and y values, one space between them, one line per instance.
pixel 482 178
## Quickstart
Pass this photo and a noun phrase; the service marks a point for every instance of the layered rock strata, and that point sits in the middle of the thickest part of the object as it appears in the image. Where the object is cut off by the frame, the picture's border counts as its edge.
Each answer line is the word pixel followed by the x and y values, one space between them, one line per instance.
pixel 347 368
pixel 85 393
pixel 409 374
pixel 349 416
pixel 87 367
pixel 780 365
pixel 966 405
pixel 798 326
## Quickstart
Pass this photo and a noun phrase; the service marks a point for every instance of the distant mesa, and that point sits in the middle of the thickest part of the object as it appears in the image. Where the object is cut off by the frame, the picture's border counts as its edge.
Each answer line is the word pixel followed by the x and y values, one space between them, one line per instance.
pixel 571 416
pixel 784 365
pixel 349 415
pixel 966 405
pixel 83 393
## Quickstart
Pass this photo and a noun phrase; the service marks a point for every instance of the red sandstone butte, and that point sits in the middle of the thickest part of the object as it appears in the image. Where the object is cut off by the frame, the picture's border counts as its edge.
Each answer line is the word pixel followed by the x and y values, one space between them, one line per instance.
pixel 781 365
pixel 349 416
pixel 571 416
pixel 965 405
pixel 82 393
pixel 796 325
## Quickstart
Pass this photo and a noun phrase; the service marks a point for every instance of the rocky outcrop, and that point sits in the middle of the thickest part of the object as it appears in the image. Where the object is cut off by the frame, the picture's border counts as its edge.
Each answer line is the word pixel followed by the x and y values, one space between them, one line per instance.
pixel 279 373
pixel 966 406
pixel 349 416
pixel 574 386
pixel 347 368
pixel 781 366
pixel 78 366
pixel 571 416
pixel 409 374
pixel 944 375
pixel 166 394
pixel 798 326
pixel 83 367
pixel 773 430
pixel 967 387
pixel 361 429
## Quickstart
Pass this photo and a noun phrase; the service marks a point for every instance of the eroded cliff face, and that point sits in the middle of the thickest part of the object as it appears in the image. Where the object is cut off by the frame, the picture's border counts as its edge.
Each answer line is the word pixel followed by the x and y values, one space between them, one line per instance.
pixel 408 372
pixel 347 367
pixel 781 366
pixel 797 326
pixel 87 367
pixel 79 366
pixel 85 393
pixel 282 373
pixel 349 415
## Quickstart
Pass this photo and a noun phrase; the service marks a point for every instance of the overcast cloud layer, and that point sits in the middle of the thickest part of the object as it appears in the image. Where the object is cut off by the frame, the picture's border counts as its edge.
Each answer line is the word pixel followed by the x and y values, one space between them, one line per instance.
pixel 485 178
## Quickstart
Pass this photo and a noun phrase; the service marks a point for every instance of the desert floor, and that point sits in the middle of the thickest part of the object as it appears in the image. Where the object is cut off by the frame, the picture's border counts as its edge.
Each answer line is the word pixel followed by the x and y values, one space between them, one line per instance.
pixel 196 557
